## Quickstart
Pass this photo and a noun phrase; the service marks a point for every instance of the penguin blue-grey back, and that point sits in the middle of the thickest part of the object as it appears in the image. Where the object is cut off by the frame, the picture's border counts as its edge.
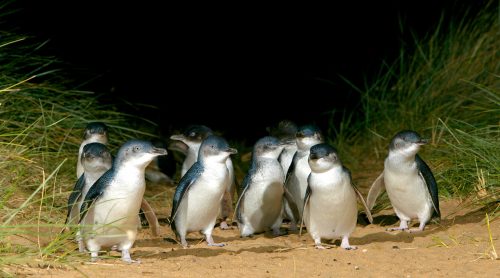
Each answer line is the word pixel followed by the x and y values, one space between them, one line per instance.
pixel 95 132
pixel 109 213
pixel 330 207
pixel 197 198
pixel 409 182
pixel 260 206
pixel 296 177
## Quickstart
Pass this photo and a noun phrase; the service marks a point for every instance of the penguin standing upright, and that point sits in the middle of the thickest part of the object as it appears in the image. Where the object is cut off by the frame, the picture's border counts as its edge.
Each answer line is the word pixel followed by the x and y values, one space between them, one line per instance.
pixel 192 137
pixel 260 206
pixel 330 207
pixel 409 182
pixel 109 213
pixel 95 160
pixel 197 198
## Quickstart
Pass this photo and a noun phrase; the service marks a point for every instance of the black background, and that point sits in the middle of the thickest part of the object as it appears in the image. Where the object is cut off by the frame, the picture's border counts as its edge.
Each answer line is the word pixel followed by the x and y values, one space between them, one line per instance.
pixel 216 63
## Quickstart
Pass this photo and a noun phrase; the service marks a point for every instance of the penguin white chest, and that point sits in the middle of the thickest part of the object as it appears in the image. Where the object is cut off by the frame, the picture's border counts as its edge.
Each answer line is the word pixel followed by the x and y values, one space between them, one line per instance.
pixel 407 191
pixel 200 207
pixel 262 203
pixel 332 209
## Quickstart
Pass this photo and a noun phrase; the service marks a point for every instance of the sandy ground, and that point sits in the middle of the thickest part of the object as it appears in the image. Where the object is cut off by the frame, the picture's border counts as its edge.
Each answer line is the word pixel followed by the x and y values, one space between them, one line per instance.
pixel 457 247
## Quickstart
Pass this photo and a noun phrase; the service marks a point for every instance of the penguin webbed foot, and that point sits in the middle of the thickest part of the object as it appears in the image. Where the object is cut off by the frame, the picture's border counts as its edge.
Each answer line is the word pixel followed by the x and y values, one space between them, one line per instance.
pixel 278 232
pixel 210 242
pixel 320 247
pixel 126 257
pixel 345 244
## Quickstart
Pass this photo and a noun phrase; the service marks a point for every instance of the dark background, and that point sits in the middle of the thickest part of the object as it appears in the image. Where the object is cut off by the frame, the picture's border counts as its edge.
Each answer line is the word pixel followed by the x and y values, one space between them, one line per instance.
pixel 257 64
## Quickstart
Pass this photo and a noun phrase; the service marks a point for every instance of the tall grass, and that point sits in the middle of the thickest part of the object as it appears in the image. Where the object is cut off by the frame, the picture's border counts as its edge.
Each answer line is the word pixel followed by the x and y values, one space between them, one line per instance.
pixel 448 90
pixel 41 128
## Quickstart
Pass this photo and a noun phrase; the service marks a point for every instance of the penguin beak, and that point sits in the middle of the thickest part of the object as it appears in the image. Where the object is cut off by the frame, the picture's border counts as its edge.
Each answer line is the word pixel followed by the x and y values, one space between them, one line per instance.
pixel 178 137
pixel 159 151
pixel 231 151
pixel 423 141
pixel 313 156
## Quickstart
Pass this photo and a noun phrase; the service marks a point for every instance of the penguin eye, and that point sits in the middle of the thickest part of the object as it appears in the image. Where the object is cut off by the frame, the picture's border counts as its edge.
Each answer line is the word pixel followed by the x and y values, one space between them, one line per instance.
pixel 136 148
pixel 192 134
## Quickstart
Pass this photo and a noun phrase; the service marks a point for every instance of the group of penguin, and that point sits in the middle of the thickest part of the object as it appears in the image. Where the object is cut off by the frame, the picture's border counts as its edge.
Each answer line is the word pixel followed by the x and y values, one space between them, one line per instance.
pixel 293 175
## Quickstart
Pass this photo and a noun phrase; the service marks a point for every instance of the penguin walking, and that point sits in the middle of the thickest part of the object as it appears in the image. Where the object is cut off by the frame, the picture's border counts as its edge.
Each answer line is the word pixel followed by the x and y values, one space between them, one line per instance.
pixel 97 132
pixel 192 137
pixel 299 170
pixel 409 182
pixel 95 160
pixel 260 206
pixel 109 213
pixel 197 198
pixel 330 207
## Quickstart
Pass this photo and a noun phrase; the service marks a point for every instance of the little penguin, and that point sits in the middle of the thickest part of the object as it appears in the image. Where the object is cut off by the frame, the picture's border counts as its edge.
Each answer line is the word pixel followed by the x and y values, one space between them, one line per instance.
pixel 97 132
pixel 192 137
pixel 94 132
pixel 330 207
pixel 197 198
pixel 296 177
pixel 260 206
pixel 409 182
pixel 95 160
pixel 109 213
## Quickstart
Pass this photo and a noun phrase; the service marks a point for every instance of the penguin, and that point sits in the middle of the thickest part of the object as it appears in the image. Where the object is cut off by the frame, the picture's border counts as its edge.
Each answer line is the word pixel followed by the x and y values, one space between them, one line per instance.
pixel 97 132
pixel 192 138
pixel 260 205
pixel 285 132
pixel 409 182
pixel 95 160
pixel 330 208
pixel 296 177
pixel 197 198
pixel 109 213
pixel 94 132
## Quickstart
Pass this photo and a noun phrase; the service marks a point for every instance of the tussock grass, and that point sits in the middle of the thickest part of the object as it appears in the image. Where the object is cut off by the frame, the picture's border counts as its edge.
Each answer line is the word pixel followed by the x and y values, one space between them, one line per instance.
pixel 448 90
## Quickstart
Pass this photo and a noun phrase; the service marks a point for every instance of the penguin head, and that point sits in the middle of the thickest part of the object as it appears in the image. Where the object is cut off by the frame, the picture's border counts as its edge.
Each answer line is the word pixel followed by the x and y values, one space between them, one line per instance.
pixel 269 147
pixel 97 132
pixel 138 153
pixel 95 157
pixel 308 136
pixel 193 135
pixel 323 157
pixel 406 142
pixel 216 149
pixel 284 130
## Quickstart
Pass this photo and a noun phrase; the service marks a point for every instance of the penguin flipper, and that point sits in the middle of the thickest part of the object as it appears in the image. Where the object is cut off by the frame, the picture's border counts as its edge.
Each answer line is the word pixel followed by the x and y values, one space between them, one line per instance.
pixel 306 201
pixel 426 174
pixel 295 159
pixel 95 191
pixel 291 203
pixel 243 189
pixel 74 196
pixel 377 187
pixel 150 217
pixel 184 184
pixel 362 200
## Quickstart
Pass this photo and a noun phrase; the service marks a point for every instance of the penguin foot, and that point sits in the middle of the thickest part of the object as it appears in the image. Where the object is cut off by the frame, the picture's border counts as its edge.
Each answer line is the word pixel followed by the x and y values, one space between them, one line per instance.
pixel 320 247
pixel 345 244
pixel 396 229
pixel 278 232
pixel 413 231
pixel 223 226
pixel 216 244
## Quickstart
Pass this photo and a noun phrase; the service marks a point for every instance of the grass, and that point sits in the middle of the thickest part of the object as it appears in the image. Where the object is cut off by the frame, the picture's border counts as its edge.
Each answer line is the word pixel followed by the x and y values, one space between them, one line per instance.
pixel 448 90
